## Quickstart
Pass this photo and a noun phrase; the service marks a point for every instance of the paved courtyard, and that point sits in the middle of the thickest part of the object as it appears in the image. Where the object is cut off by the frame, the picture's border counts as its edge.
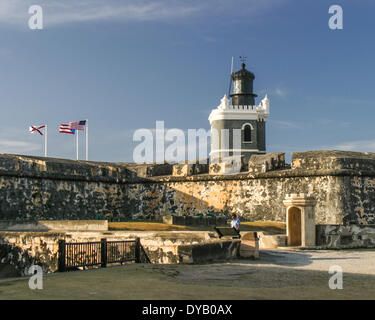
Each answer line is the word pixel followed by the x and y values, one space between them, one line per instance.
pixel 278 274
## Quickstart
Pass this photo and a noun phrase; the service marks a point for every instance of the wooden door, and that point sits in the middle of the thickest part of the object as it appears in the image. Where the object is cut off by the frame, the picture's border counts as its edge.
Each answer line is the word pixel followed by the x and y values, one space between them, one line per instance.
pixel 294 227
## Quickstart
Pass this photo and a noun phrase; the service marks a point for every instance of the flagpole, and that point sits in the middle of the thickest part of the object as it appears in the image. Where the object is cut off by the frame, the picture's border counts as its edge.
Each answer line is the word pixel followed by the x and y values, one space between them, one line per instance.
pixel 76 132
pixel 87 140
pixel 45 142
pixel 230 78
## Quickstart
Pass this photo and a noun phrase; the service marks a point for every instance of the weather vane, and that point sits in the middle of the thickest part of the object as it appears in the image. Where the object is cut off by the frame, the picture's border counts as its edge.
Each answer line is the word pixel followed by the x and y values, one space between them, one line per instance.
pixel 243 59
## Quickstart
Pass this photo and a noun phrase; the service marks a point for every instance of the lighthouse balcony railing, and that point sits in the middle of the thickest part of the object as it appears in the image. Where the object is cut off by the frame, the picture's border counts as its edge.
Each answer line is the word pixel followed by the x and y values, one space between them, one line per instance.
pixel 243 107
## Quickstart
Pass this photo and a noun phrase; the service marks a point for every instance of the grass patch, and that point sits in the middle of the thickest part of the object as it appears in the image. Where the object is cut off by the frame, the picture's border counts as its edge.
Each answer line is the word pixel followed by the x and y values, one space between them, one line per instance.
pixel 269 227
pixel 265 226
pixel 144 226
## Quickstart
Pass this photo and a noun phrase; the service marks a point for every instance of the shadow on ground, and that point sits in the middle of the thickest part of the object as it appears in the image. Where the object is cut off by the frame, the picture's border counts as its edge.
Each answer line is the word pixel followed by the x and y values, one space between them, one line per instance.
pixel 294 258
pixel 277 275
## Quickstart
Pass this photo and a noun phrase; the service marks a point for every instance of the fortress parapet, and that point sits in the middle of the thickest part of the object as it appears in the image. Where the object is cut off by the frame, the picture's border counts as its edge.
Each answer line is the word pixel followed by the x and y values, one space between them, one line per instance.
pixel 333 160
pixel 37 188
pixel 189 169
pixel 309 162
pixel 267 162
pixel 152 170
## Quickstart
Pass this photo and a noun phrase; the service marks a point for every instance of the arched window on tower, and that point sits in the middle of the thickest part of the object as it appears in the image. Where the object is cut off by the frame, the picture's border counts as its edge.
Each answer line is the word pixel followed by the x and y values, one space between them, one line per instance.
pixel 247 132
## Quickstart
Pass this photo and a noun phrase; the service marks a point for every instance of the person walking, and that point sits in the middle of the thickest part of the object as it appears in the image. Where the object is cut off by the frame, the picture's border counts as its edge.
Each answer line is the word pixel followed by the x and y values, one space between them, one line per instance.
pixel 235 223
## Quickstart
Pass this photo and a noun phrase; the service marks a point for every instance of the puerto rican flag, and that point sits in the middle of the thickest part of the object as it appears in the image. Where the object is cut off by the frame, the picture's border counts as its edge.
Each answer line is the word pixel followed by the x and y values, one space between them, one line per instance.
pixel 66 128
pixel 36 129
pixel 78 125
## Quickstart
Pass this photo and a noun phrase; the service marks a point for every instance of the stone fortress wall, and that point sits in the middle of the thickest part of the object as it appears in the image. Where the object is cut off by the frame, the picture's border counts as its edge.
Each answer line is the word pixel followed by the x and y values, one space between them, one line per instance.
pixel 36 188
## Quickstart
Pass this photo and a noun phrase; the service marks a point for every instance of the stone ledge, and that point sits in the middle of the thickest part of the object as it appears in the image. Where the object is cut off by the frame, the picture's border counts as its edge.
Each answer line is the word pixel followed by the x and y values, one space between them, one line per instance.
pixel 209 252
pixel 54 225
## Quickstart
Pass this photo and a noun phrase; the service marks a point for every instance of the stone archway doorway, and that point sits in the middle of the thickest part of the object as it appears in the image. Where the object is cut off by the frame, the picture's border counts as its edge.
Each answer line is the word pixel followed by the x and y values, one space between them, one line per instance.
pixel 294 226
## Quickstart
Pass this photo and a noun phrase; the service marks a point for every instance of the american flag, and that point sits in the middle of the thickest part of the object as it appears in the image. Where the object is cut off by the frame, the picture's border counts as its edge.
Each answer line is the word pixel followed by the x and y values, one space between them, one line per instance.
pixel 78 125
pixel 35 129
pixel 66 128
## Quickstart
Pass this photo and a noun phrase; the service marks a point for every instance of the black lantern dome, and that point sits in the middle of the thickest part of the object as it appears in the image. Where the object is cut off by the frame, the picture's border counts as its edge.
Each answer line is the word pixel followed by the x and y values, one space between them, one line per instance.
pixel 243 87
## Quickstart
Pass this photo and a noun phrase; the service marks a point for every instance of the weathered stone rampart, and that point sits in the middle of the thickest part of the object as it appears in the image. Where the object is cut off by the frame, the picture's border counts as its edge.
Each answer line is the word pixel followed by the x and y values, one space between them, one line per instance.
pixel 36 188
pixel 351 236
pixel 20 250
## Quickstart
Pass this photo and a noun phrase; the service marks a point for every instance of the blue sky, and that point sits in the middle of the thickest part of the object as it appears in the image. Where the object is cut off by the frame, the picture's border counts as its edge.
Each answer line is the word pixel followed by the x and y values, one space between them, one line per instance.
pixel 125 64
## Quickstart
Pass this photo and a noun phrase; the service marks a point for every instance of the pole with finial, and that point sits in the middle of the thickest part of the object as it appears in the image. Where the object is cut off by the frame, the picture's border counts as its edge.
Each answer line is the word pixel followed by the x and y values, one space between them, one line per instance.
pixel 243 60
pixel 230 78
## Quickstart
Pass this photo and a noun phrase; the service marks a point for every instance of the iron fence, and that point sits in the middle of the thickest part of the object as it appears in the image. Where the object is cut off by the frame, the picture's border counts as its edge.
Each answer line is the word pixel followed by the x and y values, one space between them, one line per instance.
pixel 88 254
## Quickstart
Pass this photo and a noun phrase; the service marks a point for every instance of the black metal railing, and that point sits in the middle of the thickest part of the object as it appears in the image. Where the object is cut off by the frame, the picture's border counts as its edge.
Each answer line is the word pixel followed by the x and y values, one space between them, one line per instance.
pixel 121 251
pixel 88 254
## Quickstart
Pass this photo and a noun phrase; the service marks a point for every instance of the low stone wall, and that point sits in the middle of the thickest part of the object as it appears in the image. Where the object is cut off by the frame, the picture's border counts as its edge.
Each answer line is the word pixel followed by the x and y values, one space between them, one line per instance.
pixel 340 236
pixel 209 251
pixel 55 225
pixel 267 241
pixel 20 250
pixel 249 245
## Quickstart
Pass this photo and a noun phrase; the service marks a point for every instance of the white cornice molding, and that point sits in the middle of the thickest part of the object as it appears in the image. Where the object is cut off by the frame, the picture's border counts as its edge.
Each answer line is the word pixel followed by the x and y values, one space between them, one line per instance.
pixel 235 150
pixel 239 112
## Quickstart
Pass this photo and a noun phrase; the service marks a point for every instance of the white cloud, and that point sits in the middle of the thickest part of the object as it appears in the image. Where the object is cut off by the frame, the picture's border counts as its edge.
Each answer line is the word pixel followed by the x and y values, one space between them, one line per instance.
pixel 278 91
pixel 18 147
pixel 285 124
pixel 311 124
pixel 68 11
pixel 281 92
pixel 359 145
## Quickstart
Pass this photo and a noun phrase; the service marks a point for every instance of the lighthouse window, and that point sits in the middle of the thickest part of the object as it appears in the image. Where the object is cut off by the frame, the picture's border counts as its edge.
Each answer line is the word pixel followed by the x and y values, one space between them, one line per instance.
pixel 247 133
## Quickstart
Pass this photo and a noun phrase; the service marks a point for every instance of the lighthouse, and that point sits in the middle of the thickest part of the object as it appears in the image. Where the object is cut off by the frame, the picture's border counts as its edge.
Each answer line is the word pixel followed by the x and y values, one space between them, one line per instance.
pixel 238 125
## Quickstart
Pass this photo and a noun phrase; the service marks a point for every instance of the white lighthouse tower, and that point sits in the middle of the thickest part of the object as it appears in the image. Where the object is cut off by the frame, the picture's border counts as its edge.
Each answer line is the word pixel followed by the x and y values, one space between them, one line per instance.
pixel 239 128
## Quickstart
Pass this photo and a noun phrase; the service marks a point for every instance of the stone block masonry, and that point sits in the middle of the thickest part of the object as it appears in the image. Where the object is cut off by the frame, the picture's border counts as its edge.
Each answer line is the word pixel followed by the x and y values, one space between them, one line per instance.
pixel 55 225
pixel 36 188
pixel 268 162
pixel 20 250
pixel 351 236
